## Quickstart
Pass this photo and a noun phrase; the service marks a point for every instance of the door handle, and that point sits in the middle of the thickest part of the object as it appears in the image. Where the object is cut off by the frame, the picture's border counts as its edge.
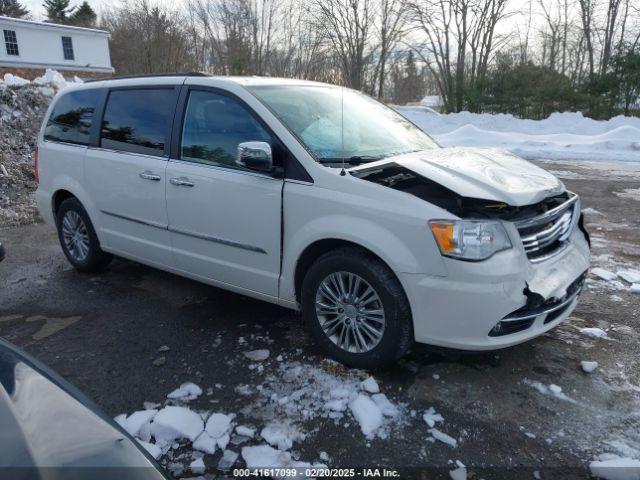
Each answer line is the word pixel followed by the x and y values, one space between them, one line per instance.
pixel 147 175
pixel 181 182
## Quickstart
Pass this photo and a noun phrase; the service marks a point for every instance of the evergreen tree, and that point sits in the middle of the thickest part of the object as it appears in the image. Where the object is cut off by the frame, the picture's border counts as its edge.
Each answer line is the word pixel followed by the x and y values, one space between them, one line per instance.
pixel 409 86
pixel 84 16
pixel 13 8
pixel 58 11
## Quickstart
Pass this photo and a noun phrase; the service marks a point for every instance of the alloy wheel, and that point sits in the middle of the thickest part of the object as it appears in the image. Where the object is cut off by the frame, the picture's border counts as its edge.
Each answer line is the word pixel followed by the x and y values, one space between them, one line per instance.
pixel 75 236
pixel 350 312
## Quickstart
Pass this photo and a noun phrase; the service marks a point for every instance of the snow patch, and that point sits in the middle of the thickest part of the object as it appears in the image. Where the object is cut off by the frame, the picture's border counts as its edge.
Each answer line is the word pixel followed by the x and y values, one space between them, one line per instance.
pixel 593 332
pixel 257 355
pixel 459 473
pixel 551 390
pixel 387 408
pixel 443 437
pixel 153 449
pixel 218 425
pixel 430 417
pixel 172 423
pixel 604 274
pixel 134 422
pixel 205 443
pixel 367 414
pixel 245 431
pixel 370 385
pixel 588 366
pixel 281 435
pixel 612 467
pixel 187 391
pixel 197 466
pixel 630 275
pixel 227 461
pixel 264 456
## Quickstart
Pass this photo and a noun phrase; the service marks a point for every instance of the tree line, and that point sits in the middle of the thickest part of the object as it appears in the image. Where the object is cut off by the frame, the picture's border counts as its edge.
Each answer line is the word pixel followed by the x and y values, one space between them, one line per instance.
pixel 56 11
pixel 477 55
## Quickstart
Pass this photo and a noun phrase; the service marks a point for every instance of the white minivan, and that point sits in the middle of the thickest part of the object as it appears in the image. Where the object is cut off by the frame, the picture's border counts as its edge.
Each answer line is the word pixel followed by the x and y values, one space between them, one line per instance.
pixel 319 199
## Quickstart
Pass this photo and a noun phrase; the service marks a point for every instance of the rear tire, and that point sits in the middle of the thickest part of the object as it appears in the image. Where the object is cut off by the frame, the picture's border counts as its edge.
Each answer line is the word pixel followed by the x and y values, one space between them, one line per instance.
pixel 356 309
pixel 78 238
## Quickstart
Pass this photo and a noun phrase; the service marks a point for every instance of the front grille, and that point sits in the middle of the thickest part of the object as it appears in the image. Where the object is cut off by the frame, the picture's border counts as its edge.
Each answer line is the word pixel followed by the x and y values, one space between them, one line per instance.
pixel 547 234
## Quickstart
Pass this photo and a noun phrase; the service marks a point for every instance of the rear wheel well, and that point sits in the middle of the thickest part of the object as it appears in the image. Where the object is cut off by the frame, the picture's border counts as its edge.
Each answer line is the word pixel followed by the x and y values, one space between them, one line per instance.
pixel 315 251
pixel 59 197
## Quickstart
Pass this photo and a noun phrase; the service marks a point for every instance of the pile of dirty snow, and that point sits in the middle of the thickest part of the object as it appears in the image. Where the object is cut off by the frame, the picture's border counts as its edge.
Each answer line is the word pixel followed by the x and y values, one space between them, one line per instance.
pixel 281 413
pixel 568 135
pixel 22 107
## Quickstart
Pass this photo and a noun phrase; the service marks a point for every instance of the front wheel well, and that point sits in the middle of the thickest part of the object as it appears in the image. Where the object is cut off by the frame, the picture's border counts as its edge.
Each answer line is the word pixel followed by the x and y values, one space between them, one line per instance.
pixel 59 197
pixel 315 251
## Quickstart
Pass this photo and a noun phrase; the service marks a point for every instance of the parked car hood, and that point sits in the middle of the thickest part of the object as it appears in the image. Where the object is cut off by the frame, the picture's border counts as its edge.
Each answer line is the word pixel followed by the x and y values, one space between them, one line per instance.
pixel 489 174
pixel 48 429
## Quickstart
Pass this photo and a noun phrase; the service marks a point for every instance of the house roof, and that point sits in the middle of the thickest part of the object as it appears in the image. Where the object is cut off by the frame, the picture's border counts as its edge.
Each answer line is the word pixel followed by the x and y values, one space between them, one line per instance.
pixel 52 26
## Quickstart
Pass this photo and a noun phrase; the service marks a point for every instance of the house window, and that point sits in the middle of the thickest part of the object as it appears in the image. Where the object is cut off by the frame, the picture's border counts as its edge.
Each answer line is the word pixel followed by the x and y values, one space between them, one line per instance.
pixel 11 42
pixel 67 48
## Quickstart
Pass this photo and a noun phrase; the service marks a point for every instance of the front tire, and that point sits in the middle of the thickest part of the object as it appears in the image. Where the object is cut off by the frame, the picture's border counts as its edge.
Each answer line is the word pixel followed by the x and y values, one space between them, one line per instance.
pixel 78 238
pixel 356 309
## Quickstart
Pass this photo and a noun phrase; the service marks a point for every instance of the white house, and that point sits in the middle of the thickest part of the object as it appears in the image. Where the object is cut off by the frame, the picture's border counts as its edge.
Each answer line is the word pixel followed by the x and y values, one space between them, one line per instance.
pixel 29 48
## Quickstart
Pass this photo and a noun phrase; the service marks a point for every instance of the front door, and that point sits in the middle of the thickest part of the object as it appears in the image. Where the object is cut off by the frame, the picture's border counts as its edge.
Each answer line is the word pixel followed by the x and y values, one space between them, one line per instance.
pixel 126 173
pixel 224 220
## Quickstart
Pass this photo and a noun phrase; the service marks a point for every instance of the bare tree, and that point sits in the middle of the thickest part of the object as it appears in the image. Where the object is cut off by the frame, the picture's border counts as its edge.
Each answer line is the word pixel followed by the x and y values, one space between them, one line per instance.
pixel 391 28
pixel 347 25
pixel 452 29
pixel 610 27
pixel 587 8
pixel 146 39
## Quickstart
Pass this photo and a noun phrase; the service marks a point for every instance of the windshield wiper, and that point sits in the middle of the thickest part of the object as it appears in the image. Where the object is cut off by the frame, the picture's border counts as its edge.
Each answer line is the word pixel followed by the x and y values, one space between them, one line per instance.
pixel 354 160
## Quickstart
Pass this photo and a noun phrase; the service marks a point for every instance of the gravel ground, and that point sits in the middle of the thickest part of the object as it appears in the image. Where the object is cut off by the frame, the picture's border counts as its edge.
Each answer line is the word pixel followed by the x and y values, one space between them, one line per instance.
pixel 107 334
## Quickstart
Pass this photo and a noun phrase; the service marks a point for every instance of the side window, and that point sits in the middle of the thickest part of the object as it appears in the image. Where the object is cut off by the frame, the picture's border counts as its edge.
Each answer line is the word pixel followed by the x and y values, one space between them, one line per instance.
pixel 11 42
pixel 137 120
pixel 214 125
pixel 67 48
pixel 72 116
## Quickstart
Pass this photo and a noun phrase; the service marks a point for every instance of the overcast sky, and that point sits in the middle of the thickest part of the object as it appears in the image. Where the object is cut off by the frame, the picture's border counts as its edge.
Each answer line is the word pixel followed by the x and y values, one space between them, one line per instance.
pixel 519 6
pixel 38 10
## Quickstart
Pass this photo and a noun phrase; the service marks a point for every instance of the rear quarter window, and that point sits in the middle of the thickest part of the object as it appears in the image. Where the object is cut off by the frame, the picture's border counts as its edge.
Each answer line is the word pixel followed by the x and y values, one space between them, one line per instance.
pixel 72 116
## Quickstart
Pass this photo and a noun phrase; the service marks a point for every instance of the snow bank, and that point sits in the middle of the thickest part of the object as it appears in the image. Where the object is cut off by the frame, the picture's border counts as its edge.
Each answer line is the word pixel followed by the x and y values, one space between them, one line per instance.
pixel 568 135
pixel 50 78
pixel 14 80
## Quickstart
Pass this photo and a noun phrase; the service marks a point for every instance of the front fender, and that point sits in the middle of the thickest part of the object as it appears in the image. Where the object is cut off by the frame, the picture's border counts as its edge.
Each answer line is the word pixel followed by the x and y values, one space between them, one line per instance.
pixel 373 236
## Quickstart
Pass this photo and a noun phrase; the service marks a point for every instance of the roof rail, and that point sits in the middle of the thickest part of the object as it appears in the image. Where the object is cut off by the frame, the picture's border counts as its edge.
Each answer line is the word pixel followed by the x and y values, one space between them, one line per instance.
pixel 150 75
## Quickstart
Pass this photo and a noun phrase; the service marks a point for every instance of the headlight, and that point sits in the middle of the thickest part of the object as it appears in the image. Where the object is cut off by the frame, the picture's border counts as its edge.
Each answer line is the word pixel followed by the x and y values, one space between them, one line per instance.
pixel 469 239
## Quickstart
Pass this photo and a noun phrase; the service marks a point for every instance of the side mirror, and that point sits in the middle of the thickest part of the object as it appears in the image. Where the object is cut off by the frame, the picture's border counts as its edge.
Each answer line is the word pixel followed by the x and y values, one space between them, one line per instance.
pixel 255 156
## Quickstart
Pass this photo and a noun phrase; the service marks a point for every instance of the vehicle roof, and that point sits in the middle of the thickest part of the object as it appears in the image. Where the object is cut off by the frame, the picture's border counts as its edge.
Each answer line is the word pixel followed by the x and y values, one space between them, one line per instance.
pixel 196 79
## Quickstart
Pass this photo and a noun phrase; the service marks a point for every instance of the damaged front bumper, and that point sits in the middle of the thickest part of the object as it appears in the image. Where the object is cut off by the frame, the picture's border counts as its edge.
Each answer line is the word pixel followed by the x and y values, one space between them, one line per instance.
pixel 500 302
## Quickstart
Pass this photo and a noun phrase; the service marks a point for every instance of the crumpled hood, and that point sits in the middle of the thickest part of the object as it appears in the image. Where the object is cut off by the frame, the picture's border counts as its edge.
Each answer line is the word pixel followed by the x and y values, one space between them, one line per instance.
pixel 489 174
